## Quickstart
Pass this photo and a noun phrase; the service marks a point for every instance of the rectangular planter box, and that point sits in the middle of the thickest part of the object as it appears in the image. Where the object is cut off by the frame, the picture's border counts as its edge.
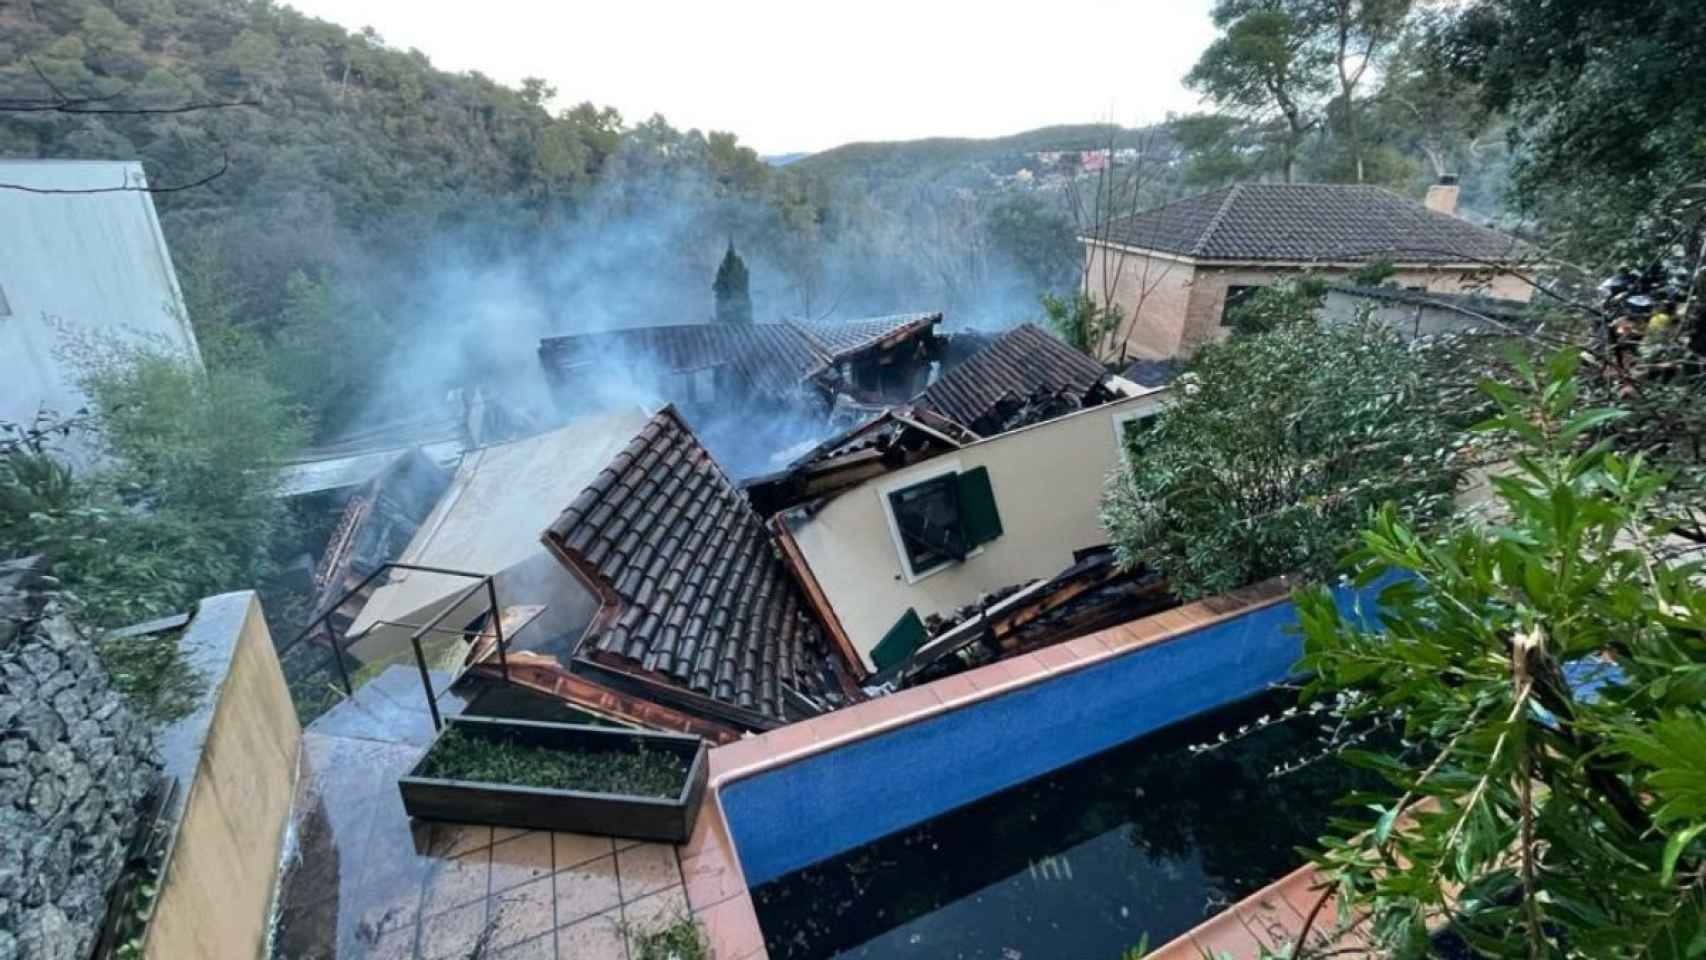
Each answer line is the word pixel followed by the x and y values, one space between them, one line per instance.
pixel 535 808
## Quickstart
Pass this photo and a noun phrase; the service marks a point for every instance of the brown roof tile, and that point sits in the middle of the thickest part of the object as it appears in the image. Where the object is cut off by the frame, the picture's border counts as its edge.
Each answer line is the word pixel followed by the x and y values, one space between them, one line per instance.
pixel 1308 222
pixel 724 620
pixel 1020 363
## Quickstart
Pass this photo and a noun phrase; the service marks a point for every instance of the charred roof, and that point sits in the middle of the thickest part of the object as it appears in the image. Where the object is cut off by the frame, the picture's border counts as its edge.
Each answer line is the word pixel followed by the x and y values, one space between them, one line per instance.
pixel 1024 367
pixel 696 596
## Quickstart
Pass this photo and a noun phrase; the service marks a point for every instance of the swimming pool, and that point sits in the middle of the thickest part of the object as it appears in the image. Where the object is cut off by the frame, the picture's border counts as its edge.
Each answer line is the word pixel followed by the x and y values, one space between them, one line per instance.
pixel 1148 838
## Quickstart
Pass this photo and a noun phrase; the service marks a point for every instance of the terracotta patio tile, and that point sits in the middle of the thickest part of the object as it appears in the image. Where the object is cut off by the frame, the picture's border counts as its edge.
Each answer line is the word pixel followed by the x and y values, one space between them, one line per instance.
pixel 712 877
pixel 454 933
pixel 708 828
pixel 989 676
pixel 1058 656
pixel 1272 917
pixel 913 702
pixel 455 839
pixel 522 913
pixel 654 913
pixel 539 948
pixel 587 889
pixel 741 753
pixel 1026 667
pixel 837 723
pixel 954 689
pixel 789 738
pixel 1225 934
pixel 646 869
pixel 457 881
pixel 594 938
pixel 732 927
pixel 1092 647
pixel 573 849
pixel 500 834
pixel 521 859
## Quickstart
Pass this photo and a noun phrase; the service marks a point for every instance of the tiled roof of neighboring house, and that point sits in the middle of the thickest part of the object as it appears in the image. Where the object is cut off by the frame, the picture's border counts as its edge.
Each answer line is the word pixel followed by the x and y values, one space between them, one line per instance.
pixel 1496 307
pixel 1018 365
pixel 703 599
pixel 1304 222
pixel 773 358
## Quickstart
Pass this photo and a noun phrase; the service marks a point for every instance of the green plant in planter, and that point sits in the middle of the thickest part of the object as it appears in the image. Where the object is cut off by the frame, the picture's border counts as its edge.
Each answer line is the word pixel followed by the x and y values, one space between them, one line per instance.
pixel 641 773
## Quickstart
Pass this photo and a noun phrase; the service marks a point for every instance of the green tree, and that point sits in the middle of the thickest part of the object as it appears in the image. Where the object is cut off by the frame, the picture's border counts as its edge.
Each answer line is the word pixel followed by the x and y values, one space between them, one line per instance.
pixel 1606 102
pixel 1543 815
pixel 734 302
pixel 1277 449
pixel 1079 320
pixel 1265 64
pixel 1355 35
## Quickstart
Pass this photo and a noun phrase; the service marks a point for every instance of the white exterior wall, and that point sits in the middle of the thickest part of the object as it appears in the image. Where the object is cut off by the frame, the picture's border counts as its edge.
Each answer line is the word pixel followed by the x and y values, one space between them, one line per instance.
pixel 1047 480
pixel 88 265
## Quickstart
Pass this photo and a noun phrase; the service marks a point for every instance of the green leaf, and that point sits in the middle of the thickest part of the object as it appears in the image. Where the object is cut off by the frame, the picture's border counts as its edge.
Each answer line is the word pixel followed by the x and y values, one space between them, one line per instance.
pixel 1678 842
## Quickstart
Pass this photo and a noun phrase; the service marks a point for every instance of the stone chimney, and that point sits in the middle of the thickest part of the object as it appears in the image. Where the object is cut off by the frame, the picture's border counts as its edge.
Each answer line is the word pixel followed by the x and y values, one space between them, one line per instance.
pixel 1442 196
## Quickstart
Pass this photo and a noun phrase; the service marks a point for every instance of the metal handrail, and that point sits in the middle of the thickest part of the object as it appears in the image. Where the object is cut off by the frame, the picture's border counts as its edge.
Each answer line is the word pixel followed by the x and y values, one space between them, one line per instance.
pixel 337 650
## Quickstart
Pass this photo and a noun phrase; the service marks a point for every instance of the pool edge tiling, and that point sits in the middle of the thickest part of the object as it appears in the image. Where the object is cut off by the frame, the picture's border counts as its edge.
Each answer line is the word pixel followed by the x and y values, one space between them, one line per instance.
pixel 717 878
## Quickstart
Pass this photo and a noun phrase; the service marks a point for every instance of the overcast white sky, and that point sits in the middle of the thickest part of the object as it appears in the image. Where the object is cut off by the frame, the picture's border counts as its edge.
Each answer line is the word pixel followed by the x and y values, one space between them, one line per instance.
pixel 792 76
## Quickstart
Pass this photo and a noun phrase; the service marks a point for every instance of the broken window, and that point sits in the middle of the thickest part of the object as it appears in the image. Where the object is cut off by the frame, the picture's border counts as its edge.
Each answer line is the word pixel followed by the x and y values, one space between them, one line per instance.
pixel 1234 296
pixel 1133 430
pixel 944 518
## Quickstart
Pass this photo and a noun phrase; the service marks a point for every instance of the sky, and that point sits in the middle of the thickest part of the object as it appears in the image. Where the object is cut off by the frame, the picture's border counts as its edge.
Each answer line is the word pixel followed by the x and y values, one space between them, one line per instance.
pixel 799 77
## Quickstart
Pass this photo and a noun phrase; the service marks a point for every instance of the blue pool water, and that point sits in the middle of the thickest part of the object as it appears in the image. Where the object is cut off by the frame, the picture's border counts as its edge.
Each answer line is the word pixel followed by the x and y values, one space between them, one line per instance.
pixel 1146 838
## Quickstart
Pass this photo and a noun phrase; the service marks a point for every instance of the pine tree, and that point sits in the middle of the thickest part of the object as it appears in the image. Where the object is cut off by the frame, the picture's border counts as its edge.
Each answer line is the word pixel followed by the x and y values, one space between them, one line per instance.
pixel 734 302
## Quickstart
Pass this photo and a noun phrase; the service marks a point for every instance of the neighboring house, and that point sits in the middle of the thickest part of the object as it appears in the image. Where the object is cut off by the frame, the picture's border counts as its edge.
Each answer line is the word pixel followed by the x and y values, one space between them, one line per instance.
pixel 926 539
pixel 79 270
pixel 1173 270
pixel 1024 376
pixel 1416 313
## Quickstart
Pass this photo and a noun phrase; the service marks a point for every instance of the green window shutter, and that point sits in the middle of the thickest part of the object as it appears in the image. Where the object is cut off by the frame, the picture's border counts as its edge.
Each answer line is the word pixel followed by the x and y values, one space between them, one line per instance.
pixel 978 516
pixel 903 638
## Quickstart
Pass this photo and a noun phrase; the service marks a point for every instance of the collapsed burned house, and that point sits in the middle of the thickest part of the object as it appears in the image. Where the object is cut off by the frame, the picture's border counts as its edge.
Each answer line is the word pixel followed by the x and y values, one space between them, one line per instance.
pixel 1024 376
pixel 881 555
pixel 892 439
pixel 375 526
pixel 873 361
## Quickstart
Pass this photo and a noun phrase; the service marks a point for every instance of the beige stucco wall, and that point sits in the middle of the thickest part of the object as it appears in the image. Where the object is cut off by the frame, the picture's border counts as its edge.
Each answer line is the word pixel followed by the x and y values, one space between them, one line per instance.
pixel 1151 293
pixel 1174 306
pixel 217 891
pixel 1047 480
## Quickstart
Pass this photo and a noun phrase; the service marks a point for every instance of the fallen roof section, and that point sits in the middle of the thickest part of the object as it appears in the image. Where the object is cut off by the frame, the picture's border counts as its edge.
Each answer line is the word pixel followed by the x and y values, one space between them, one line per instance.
pixel 487 520
pixel 773 359
pixel 698 609
pixel 892 439
pixel 1024 367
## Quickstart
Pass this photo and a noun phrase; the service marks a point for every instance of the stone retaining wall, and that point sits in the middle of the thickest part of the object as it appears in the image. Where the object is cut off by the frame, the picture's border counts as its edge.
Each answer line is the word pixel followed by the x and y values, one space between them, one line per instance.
pixel 74 764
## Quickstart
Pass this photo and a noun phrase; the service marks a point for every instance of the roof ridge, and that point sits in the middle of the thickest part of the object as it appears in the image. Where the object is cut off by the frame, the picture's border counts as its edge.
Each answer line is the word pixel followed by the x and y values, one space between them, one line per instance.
pixel 1201 246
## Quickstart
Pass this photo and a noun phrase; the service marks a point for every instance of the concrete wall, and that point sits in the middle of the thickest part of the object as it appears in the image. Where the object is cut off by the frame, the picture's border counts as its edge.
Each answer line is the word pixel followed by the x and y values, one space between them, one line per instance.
pixel 216 893
pixel 78 267
pixel 1047 481
pixel 1175 306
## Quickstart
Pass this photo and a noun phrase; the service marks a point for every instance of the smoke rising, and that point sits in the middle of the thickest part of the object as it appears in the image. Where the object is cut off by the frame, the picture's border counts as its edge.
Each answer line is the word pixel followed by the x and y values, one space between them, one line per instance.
pixel 643 252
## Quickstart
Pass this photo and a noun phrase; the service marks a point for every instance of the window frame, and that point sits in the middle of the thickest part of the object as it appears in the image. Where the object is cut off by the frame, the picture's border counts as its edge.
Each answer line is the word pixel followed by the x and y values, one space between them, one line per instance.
pixel 1122 417
pixel 938 469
